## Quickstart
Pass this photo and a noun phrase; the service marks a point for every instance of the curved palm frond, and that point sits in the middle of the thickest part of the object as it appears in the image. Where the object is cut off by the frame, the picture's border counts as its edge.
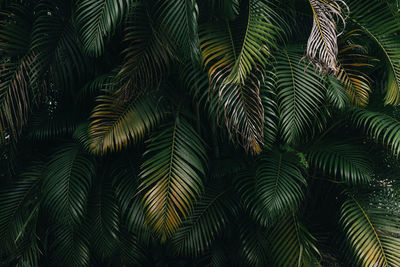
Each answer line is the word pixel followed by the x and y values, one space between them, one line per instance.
pixel 59 57
pixel 322 45
pixel 210 215
pixel 179 19
pixel 97 20
pixel 104 221
pixel 15 64
pixel 171 175
pixel 379 21
pixel 240 107
pixel 271 118
pixel 293 244
pixel 18 205
pixel 67 183
pixel 336 94
pixel 351 59
pixel 300 94
pixel 372 229
pixel 276 187
pixel 71 245
pixel 342 160
pixel 147 56
pixel 380 127
pixel 115 124
pixel 255 244
pixel 223 51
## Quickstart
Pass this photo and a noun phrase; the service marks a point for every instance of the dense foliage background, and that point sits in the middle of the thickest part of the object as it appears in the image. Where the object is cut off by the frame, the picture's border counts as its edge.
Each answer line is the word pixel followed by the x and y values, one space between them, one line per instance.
pixel 195 133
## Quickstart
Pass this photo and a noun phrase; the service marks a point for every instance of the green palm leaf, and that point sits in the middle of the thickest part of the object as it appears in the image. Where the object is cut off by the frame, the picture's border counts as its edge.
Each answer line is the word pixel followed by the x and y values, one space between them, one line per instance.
pixel 67 183
pixel 14 74
pixel 336 94
pixel 342 160
pixel 382 23
pixel 254 243
pixel 71 245
pixel 372 230
pixel 292 244
pixel 115 124
pixel 351 59
pixel 19 204
pixel 98 20
pixel 300 94
pixel 104 219
pixel 179 19
pixel 379 126
pixel 225 52
pixel 210 215
pixel 147 57
pixel 276 188
pixel 171 175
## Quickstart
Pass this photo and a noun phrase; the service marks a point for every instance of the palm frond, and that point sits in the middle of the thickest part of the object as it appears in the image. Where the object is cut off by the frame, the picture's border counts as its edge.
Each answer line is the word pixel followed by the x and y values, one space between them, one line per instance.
pixel 15 66
pixel 147 56
pixel 322 45
pixel 115 124
pixel 380 22
pixel 342 160
pixel 104 221
pixel 171 175
pixel 336 94
pixel 293 244
pixel 67 183
pixel 372 229
pixel 179 19
pixel 19 204
pixel 300 94
pixel 98 20
pixel 59 57
pixel 271 114
pixel 254 243
pixel 380 127
pixel 276 187
pixel 351 59
pixel 210 215
pixel 71 245
pixel 223 50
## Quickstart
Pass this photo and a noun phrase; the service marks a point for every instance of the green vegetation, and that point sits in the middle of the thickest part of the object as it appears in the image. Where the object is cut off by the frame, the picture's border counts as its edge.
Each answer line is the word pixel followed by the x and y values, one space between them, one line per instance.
pixel 199 133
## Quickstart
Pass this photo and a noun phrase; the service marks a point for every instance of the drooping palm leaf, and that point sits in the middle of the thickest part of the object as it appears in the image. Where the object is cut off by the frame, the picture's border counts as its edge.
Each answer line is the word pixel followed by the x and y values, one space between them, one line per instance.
pixel 351 60
pixel 71 245
pixel 171 175
pixel 292 244
pixel 19 204
pixel 210 215
pixel 223 50
pixel 115 124
pixel 372 229
pixel 67 183
pixel 342 160
pixel 380 127
pixel 14 71
pixel 276 188
pixel 271 115
pixel 379 21
pixel 336 94
pixel 104 221
pixel 59 57
pixel 98 20
pixel 300 94
pixel 147 56
pixel 179 19
pixel 322 45
pixel 255 244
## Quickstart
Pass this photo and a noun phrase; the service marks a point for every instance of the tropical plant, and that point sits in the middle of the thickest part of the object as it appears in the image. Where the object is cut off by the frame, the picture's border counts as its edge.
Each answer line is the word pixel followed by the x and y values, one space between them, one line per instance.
pixel 199 133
